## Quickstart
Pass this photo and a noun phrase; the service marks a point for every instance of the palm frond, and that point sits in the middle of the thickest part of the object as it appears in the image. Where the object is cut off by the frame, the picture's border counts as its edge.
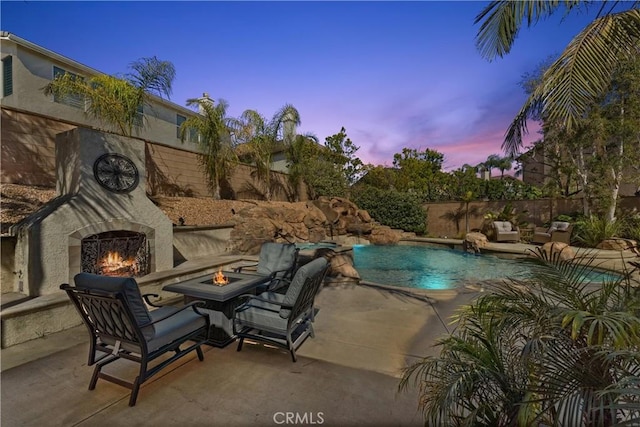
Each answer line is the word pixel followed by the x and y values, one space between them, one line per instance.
pixel 580 76
pixel 152 75
pixel 503 20
pixel 217 155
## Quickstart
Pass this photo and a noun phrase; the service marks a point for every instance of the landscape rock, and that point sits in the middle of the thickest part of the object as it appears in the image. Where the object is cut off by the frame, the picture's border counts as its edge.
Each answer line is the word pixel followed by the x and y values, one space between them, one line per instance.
pixel 474 241
pixel 618 244
pixel 275 222
pixel 558 249
pixel 364 215
pixel 342 266
pixel 383 235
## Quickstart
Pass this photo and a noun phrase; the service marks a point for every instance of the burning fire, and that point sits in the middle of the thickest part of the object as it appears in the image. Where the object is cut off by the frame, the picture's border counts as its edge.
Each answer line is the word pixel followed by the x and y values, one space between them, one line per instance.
pixel 220 279
pixel 114 265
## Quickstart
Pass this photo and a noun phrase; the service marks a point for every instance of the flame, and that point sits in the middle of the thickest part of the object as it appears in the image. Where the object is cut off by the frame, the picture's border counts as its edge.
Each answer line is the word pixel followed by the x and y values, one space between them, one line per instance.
pixel 113 259
pixel 220 279
pixel 113 263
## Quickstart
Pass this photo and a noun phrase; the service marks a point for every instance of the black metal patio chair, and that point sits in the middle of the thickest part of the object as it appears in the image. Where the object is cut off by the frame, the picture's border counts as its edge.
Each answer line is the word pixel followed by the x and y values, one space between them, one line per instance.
pixel 276 261
pixel 283 320
pixel 121 327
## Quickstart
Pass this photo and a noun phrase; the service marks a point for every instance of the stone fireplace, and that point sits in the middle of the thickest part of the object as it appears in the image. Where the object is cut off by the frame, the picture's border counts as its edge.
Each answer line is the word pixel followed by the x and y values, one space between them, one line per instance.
pixel 101 222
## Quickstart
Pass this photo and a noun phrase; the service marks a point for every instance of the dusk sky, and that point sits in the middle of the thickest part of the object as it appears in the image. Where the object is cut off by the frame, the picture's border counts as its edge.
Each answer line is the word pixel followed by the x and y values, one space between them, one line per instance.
pixel 394 74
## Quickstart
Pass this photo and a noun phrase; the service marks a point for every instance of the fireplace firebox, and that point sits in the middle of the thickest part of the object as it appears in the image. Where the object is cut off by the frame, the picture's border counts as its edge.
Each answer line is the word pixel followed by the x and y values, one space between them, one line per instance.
pixel 116 253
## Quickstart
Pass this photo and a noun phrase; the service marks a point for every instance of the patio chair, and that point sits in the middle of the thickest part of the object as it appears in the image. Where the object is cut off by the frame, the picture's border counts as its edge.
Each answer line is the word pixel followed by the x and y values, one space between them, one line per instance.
pixel 121 327
pixel 559 231
pixel 276 261
pixel 505 231
pixel 283 320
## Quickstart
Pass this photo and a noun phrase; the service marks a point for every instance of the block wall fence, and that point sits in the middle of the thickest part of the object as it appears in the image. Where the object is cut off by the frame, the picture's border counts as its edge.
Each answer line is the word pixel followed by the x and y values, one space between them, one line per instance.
pixel 28 158
pixel 538 212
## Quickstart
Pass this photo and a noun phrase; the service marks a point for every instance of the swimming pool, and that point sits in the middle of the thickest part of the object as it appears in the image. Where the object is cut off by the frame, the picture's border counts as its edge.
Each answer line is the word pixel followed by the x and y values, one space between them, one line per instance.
pixel 425 267
pixel 304 246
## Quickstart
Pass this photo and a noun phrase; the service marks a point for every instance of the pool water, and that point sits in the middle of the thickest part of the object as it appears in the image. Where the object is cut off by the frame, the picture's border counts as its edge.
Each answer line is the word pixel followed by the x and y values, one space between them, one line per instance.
pixel 434 268
pixel 303 246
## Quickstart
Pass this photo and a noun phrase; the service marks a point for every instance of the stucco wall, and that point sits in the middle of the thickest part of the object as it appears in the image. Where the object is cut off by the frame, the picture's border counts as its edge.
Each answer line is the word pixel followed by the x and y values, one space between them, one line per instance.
pixel 8 278
pixel 196 242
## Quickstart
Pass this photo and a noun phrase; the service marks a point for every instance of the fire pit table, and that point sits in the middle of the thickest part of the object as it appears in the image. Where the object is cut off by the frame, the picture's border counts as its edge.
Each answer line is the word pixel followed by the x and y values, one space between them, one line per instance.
pixel 220 300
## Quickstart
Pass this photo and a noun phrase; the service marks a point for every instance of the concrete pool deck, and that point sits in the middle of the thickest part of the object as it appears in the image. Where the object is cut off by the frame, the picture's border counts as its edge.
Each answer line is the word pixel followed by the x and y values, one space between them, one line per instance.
pixel 347 375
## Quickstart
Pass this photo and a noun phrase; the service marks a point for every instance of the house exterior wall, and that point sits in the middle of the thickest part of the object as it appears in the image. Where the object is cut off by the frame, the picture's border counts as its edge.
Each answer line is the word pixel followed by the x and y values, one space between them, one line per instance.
pixel 30 122
pixel 533 167
pixel 33 69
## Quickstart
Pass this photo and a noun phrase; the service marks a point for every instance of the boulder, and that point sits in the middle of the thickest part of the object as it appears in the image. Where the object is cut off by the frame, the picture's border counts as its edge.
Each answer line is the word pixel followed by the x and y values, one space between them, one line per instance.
pixel 474 241
pixel 310 221
pixel 340 212
pixel 359 227
pixel 383 235
pixel 248 236
pixel 276 222
pixel 341 268
pixel 618 244
pixel 364 215
pixel 553 249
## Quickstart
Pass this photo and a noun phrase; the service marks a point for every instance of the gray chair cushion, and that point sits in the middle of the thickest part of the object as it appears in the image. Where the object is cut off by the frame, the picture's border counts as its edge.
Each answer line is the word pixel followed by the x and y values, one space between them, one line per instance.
pixel 262 315
pixel 304 272
pixel 177 326
pixel 126 286
pixel 273 297
pixel 276 257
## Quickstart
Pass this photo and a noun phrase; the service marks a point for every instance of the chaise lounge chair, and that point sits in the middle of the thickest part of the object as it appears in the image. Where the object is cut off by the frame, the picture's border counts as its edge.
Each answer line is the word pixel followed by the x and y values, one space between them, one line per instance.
pixel 283 320
pixel 121 327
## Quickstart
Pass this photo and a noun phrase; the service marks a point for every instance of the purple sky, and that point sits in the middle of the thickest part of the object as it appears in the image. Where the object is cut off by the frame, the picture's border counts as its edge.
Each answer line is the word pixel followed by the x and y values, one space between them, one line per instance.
pixel 394 74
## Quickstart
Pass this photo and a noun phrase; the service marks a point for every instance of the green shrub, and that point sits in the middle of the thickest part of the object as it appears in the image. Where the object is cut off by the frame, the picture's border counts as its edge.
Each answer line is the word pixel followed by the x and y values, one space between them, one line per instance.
pixel 393 209
pixel 632 227
pixel 593 230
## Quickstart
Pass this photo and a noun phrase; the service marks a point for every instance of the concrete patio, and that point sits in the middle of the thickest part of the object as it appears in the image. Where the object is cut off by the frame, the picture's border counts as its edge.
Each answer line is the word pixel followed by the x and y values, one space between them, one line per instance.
pixel 347 375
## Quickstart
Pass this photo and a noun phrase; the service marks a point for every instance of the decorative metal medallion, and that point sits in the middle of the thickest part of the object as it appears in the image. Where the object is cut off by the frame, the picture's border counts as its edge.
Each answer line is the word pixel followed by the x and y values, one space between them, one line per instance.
pixel 116 173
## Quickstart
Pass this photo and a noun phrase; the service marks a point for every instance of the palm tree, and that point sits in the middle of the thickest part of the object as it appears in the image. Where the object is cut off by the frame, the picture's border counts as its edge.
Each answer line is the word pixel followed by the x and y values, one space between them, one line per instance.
pixel 214 138
pixel 303 148
pixel 263 137
pixel 555 349
pixel 492 162
pixel 467 198
pixel 582 73
pixel 504 164
pixel 118 101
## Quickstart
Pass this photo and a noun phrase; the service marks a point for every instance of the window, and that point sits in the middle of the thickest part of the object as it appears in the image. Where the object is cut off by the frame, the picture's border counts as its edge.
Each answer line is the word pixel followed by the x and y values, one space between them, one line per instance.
pixel 138 120
pixel 179 121
pixel 192 134
pixel 76 101
pixel 7 76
